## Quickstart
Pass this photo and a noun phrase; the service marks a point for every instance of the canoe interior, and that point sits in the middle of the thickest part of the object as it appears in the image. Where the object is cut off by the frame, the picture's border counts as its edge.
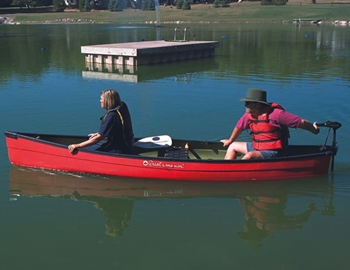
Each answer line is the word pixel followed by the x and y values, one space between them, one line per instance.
pixel 187 149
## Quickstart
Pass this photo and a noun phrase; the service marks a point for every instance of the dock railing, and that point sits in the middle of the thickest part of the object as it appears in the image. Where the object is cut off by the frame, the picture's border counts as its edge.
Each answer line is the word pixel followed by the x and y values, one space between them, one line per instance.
pixel 184 32
pixel 175 33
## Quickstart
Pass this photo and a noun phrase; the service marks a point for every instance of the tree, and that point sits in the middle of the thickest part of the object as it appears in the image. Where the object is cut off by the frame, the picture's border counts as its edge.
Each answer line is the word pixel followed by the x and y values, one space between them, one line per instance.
pixel 99 4
pixel 117 5
pixel 5 3
pixel 44 2
pixel 84 5
pixel 179 4
pixel 148 5
pixel 24 3
pixel 58 5
pixel 29 3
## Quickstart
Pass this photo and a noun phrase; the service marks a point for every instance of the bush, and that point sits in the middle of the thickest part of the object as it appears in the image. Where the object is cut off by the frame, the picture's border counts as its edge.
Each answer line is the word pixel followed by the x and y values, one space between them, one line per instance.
pixel 221 3
pixel 225 3
pixel 274 2
pixel 186 5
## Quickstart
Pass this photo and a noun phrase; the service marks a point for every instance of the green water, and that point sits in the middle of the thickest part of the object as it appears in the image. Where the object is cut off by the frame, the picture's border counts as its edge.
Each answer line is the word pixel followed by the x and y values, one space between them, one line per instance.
pixel 55 221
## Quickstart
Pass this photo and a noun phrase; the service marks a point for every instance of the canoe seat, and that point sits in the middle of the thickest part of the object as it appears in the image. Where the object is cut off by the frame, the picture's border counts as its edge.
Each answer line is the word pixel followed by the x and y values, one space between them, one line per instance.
pixel 176 152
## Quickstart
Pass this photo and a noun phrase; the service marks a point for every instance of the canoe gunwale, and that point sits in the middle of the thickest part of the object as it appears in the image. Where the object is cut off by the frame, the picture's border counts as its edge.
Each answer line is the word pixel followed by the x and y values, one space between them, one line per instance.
pixel 328 150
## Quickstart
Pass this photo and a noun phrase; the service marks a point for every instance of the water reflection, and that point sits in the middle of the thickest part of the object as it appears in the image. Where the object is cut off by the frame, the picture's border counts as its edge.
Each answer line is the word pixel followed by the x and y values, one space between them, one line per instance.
pixel 138 74
pixel 266 215
pixel 118 211
pixel 264 204
pixel 247 50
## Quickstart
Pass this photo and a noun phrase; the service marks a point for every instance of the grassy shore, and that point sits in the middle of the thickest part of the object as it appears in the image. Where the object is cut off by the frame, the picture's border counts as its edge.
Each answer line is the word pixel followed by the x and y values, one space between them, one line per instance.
pixel 245 12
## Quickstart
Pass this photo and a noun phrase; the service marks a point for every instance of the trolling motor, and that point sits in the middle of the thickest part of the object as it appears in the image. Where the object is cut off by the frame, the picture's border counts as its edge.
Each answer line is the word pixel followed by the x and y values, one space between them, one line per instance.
pixel 331 125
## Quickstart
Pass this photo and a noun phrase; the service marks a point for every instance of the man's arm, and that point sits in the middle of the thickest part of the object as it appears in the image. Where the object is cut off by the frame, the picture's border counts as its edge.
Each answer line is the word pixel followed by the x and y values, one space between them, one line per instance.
pixel 313 128
pixel 235 133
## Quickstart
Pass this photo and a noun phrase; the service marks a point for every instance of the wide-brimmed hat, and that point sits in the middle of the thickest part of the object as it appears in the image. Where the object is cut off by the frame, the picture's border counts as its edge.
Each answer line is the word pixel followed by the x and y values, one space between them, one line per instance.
pixel 256 95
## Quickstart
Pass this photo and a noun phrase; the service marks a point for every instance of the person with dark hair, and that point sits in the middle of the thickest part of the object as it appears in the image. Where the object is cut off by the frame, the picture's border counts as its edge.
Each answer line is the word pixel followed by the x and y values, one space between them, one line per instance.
pixel 116 132
pixel 269 124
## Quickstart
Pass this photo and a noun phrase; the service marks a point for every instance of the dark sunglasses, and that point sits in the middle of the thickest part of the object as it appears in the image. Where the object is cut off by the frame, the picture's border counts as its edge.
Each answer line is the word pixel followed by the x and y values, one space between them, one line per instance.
pixel 246 104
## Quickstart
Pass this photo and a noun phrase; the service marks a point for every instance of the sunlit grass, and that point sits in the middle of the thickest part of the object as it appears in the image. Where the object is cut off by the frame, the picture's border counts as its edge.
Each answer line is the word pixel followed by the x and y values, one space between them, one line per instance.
pixel 243 12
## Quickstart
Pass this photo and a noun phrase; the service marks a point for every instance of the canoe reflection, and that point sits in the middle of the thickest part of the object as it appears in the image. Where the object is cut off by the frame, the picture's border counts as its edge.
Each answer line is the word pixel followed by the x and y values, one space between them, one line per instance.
pixel 264 204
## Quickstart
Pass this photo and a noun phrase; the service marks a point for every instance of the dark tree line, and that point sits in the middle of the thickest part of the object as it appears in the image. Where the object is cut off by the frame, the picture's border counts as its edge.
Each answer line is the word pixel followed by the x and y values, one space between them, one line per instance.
pixel 120 5
pixel 5 3
pixel 25 3
pixel 87 5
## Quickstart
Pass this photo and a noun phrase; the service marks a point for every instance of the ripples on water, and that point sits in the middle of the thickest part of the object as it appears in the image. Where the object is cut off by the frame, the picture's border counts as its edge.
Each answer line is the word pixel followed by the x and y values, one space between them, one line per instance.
pixel 296 224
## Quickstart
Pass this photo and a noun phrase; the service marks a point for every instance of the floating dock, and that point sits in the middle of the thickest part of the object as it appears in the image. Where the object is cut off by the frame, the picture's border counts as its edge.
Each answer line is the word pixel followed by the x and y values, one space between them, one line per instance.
pixel 313 21
pixel 148 52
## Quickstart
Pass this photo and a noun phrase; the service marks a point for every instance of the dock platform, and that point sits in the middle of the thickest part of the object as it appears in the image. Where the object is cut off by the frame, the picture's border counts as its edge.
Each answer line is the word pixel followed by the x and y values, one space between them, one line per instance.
pixel 313 21
pixel 148 52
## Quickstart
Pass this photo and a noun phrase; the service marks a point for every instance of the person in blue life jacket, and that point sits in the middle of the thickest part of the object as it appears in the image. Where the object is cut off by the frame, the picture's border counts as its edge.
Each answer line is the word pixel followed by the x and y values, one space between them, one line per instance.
pixel 116 132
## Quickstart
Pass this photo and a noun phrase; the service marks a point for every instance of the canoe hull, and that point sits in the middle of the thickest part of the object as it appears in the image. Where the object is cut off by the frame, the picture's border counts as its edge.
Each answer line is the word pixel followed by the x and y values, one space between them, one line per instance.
pixel 36 153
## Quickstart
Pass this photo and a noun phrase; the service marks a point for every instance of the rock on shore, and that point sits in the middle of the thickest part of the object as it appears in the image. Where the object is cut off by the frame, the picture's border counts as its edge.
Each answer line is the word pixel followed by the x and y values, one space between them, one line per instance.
pixel 7 20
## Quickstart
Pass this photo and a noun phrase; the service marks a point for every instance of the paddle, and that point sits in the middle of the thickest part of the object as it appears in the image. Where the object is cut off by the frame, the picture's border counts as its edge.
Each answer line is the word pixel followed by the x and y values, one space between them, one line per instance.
pixel 161 141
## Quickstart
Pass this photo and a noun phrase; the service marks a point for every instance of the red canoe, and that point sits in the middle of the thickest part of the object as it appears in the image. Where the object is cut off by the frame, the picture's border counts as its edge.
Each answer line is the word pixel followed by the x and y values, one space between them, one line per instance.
pixel 183 160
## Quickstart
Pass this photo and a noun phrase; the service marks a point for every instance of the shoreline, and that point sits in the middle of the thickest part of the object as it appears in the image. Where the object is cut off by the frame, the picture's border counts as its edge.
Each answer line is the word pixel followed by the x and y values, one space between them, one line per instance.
pixel 12 21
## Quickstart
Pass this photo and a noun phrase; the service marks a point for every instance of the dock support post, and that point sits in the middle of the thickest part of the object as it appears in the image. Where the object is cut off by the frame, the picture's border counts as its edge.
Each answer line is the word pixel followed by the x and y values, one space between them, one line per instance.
pixel 89 58
pixel 108 59
pixel 97 59
pixel 98 67
pixel 129 61
pixel 119 60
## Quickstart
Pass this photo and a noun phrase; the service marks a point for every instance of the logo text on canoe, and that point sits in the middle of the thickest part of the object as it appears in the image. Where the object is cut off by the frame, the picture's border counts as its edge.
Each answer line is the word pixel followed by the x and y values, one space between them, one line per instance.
pixel 161 164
